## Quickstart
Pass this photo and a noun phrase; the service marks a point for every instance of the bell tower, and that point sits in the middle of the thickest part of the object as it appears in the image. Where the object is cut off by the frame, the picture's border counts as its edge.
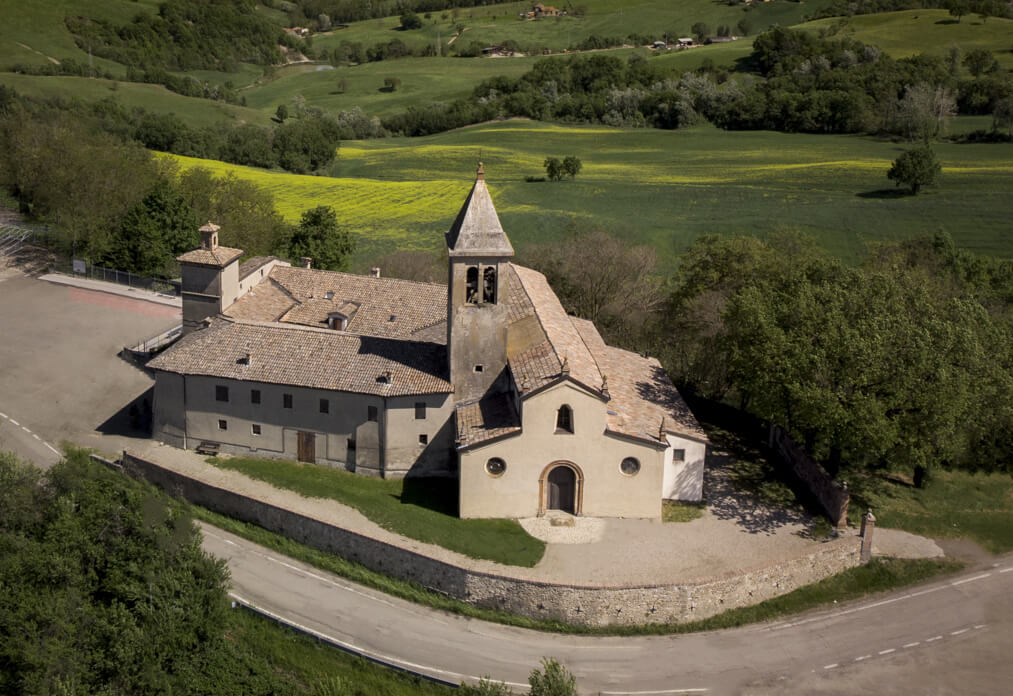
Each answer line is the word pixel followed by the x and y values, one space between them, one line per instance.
pixel 479 253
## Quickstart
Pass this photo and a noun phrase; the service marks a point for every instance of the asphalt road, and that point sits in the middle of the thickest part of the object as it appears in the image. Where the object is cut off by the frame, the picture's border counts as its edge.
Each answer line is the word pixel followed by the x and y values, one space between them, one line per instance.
pixel 950 636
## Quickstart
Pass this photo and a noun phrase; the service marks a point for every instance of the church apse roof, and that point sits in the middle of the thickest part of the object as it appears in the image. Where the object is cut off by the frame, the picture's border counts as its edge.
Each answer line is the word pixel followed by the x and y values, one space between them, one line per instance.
pixel 476 230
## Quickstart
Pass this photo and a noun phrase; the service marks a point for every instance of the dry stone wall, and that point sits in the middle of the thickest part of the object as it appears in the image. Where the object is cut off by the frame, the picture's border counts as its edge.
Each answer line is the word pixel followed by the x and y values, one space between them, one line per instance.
pixel 582 605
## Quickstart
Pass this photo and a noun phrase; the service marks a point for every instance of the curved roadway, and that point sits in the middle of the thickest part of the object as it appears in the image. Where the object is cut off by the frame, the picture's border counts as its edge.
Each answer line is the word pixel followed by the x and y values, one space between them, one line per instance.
pixel 924 636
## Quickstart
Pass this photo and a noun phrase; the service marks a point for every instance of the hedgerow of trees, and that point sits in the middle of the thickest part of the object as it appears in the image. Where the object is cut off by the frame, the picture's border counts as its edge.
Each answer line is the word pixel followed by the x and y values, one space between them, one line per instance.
pixel 807 83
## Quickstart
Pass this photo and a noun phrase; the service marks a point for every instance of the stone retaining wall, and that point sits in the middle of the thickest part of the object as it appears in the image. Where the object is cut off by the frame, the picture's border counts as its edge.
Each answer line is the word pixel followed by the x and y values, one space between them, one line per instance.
pixel 831 494
pixel 584 605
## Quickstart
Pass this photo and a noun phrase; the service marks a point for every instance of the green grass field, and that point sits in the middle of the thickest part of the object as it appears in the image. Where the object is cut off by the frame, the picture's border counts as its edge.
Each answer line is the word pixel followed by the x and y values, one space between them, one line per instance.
pixel 954 504
pixel 904 34
pixel 494 24
pixel 422 509
pixel 33 32
pixel 662 188
pixel 152 98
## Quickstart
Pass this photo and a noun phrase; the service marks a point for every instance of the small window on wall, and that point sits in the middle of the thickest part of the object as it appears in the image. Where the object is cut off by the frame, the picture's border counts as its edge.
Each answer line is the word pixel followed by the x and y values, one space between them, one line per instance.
pixel 495 467
pixel 371 413
pixel 420 410
pixel 564 419
pixel 223 425
pixel 221 393
pixel 286 401
pixel 255 428
pixel 254 396
pixel 325 406
pixel 678 455
pixel 630 466
pixel 423 439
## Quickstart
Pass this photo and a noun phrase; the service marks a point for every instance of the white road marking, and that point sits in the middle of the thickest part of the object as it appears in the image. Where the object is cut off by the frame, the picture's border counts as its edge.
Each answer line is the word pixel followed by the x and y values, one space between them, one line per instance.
pixel 957 633
pixel 55 451
pixel 352 647
pixel 830 666
pixel 976 577
pixel 14 422
pixel 26 430
pixel 3 415
pixel 1005 570
pixel 863 657
pixel 977 626
pixel 308 574
pixel 929 640
pixel 911 645
pixel 37 437
pixel 887 651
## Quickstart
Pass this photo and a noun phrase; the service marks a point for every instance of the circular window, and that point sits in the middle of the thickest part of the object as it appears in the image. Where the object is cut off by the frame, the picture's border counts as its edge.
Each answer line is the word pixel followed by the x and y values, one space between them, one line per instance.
pixel 630 466
pixel 495 466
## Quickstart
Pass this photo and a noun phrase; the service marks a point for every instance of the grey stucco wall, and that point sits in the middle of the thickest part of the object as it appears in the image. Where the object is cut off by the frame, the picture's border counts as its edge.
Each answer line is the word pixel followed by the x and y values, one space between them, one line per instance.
pixel 582 605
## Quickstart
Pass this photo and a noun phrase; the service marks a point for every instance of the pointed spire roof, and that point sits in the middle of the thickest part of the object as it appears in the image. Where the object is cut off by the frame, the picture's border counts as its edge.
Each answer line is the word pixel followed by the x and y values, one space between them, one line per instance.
pixel 477 231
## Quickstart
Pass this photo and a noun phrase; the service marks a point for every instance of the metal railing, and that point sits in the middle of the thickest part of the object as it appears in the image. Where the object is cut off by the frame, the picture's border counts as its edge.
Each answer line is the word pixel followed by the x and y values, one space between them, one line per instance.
pixel 156 343
pixel 133 280
pixel 12 238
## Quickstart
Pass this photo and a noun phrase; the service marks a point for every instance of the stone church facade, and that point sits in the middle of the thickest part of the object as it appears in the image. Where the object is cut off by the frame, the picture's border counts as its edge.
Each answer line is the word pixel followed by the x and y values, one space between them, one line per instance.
pixel 485 379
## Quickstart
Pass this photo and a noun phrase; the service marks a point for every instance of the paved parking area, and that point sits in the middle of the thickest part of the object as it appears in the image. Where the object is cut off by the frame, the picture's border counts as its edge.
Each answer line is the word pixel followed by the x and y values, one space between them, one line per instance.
pixel 60 373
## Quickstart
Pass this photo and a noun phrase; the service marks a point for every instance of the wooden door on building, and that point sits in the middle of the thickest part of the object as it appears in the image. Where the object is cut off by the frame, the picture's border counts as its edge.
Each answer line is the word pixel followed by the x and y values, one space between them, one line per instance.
pixel 307 447
pixel 562 489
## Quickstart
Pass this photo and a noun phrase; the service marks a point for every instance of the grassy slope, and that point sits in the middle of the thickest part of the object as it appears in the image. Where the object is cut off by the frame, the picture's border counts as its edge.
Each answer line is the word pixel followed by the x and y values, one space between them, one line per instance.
pixel 153 98
pixel 903 34
pixel 417 508
pixel 33 32
pixel 496 23
pixel 658 187
pixel 954 504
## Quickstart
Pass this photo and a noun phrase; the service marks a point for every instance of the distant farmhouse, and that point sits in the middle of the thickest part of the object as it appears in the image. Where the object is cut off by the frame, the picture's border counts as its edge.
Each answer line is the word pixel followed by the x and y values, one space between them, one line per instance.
pixel 538 10
pixel 486 379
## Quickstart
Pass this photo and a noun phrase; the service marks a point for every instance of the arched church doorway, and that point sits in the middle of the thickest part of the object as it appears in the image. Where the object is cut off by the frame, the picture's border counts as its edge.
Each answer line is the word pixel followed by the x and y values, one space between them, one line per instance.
pixel 561 488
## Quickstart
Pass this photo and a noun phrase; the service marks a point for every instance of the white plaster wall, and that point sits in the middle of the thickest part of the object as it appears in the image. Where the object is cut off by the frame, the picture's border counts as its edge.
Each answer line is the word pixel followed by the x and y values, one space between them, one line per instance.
pixel 278 425
pixel 403 454
pixel 607 492
pixel 684 480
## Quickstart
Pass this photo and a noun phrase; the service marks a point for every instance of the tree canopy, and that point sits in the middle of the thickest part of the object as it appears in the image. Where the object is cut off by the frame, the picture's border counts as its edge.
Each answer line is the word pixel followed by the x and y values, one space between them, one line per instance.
pixel 319 237
pixel 915 168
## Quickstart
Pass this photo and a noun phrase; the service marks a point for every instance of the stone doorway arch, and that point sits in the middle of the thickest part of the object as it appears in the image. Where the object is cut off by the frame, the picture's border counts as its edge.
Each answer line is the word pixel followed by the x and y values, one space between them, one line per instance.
pixel 561 487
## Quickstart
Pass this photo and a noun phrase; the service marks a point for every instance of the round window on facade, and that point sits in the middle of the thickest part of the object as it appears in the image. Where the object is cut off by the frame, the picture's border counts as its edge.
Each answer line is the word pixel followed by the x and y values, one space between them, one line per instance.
pixel 630 466
pixel 495 466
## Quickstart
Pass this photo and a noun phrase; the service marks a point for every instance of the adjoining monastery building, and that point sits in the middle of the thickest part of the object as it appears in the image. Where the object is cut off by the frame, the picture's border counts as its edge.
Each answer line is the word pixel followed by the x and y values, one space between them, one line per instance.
pixel 486 379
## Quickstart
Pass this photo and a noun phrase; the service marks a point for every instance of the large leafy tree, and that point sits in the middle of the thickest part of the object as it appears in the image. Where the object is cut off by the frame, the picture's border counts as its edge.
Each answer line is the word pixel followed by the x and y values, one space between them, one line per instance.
pixel 916 168
pixel 319 237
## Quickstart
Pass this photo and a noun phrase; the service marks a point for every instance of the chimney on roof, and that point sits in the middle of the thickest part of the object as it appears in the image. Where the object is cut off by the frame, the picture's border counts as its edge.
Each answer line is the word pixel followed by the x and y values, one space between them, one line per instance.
pixel 480 174
pixel 375 271
pixel 605 388
pixel 209 236
pixel 307 262
pixel 565 367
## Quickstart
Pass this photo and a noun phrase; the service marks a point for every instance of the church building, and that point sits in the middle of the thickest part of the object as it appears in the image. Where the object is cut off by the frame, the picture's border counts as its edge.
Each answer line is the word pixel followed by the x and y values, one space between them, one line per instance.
pixel 485 379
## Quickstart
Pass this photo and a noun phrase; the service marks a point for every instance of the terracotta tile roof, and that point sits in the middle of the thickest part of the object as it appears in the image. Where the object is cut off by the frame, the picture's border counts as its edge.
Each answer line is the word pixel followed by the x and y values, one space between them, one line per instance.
pixel 535 367
pixel 517 301
pixel 317 358
pixel 642 394
pixel 267 301
pixel 566 343
pixel 250 265
pixel 221 256
pixel 483 420
pixel 476 230
pixel 313 294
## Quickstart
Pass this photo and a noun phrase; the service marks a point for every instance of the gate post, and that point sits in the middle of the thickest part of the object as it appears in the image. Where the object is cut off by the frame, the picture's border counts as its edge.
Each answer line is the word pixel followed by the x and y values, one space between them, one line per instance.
pixel 868 525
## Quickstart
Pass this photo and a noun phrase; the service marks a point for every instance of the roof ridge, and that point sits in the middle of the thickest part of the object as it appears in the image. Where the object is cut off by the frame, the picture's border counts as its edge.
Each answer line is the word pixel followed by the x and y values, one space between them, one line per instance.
pixel 371 278
pixel 594 359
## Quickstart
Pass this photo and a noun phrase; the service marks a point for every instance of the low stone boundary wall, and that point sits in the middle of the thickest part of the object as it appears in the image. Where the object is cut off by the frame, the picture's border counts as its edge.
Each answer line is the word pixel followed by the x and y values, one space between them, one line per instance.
pixel 831 495
pixel 582 605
